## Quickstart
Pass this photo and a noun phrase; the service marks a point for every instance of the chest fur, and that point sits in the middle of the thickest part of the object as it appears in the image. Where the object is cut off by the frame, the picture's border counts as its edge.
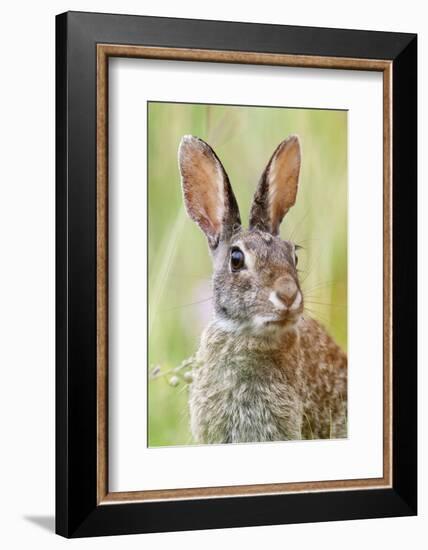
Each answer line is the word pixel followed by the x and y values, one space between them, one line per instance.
pixel 242 395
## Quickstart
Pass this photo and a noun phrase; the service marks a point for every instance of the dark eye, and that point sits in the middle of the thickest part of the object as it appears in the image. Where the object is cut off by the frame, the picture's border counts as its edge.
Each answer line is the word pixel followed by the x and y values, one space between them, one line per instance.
pixel 296 259
pixel 237 259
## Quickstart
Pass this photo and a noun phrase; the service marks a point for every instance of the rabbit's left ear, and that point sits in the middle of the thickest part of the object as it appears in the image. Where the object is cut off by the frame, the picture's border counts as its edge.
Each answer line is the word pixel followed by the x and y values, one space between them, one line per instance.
pixel 277 189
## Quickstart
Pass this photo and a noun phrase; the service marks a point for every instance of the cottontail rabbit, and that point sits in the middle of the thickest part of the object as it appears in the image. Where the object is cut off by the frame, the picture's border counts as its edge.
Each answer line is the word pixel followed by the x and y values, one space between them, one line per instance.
pixel 264 370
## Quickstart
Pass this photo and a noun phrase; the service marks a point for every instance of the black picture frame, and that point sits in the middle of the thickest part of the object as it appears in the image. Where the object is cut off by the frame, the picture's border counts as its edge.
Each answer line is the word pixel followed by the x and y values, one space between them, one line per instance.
pixel 77 511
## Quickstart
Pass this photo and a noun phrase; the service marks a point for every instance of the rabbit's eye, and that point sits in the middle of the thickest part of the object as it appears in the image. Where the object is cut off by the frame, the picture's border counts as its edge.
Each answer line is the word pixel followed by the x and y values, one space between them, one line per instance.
pixel 296 259
pixel 237 259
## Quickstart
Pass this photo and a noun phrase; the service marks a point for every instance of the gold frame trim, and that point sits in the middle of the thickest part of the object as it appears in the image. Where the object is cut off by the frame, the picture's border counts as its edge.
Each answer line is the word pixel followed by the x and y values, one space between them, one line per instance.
pixel 104 51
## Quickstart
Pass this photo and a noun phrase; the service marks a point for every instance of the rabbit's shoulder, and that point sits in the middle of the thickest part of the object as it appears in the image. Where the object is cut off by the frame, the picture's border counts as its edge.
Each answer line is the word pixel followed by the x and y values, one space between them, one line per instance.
pixel 318 347
pixel 323 380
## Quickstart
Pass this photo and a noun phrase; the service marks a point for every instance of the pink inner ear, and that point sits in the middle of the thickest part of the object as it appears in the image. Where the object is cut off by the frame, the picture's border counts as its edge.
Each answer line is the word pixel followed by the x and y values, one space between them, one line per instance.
pixel 283 180
pixel 203 206
pixel 208 195
pixel 209 228
pixel 203 186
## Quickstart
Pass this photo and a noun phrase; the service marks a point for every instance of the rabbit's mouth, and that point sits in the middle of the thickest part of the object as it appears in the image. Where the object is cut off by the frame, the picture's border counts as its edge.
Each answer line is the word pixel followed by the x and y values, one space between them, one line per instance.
pixel 276 322
pixel 285 321
pixel 260 324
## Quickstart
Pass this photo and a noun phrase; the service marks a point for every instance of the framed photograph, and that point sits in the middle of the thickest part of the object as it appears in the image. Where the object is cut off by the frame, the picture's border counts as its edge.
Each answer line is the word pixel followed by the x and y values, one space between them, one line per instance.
pixel 236 274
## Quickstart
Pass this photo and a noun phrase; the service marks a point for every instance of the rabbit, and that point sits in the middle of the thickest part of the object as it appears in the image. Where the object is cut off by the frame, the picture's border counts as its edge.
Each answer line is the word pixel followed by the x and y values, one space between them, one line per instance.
pixel 264 371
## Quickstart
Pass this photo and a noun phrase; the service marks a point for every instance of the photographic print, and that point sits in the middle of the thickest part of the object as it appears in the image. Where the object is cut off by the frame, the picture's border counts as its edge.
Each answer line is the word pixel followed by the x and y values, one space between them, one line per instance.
pixel 247 274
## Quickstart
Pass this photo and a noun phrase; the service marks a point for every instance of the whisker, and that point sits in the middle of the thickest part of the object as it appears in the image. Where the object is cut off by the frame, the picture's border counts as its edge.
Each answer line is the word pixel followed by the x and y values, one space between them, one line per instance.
pixel 317 315
pixel 323 285
pixel 311 267
pixel 197 277
pixel 189 304
pixel 308 273
pixel 325 304
pixel 309 240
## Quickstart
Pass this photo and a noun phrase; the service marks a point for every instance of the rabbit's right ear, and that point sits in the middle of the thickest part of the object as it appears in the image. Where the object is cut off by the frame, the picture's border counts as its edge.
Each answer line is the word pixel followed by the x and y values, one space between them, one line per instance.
pixel 208 195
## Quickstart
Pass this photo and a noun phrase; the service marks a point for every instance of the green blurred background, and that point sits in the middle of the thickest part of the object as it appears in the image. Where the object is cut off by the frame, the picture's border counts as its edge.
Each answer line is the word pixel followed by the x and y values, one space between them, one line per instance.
pixel 179 268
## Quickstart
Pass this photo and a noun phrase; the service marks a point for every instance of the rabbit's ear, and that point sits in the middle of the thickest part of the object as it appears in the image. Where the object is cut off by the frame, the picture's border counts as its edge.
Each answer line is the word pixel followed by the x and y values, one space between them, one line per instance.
pixel 277 188
pixel 208 195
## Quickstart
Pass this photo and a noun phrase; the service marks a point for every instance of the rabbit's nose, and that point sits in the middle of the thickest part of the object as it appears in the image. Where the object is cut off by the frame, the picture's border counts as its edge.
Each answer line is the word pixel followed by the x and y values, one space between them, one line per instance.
pixel 286 289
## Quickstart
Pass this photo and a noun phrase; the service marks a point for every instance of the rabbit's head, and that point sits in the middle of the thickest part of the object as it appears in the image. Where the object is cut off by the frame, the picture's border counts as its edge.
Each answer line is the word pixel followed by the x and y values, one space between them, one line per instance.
pixel 256 286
